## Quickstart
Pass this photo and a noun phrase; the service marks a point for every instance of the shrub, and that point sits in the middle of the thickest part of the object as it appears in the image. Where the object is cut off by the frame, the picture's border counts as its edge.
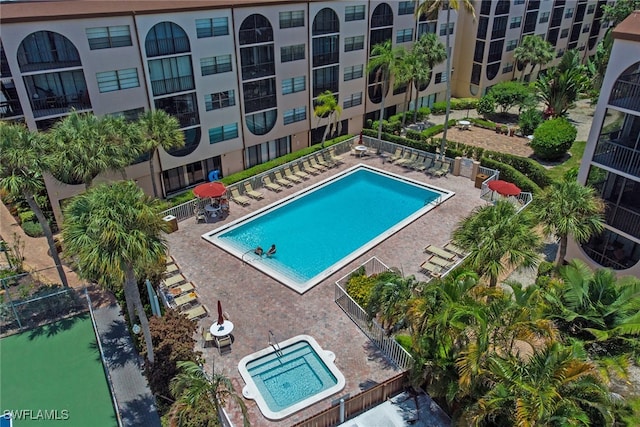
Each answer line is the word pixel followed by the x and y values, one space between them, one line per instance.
pixel 510 94
pixel 405 341
pixel 423 112
pixel 414 134
pixel 32 229
pixel 545 268
pixel 530 168
pixel 553 138
pixel 464 103
pixel 486 124
pixel 439 107
pixel 27 216
pixel 359 288
pixel 529 120
pixel 486 105
pixel 509 173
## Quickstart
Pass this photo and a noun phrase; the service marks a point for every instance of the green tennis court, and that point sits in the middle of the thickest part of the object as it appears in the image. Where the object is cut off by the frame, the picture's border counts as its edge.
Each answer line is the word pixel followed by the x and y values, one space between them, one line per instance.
pixel 55 372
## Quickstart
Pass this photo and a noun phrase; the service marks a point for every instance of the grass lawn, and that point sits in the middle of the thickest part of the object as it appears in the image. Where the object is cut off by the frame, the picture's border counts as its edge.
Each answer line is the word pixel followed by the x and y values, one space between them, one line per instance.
pixel 56 367
pixel 577 151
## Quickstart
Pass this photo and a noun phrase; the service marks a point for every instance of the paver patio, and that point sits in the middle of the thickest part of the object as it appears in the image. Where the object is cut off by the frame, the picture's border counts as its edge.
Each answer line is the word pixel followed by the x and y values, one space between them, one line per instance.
pixel 257 303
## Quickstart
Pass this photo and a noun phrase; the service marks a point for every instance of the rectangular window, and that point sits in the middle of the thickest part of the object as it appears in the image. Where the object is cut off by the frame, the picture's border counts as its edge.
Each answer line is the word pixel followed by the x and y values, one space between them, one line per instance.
pixel 216 101
pixel 223 133
pixel 293 85
pixel 512 44
pixel 354 13
pixel 499 27
pixel 353 100
pixel 107 37
pixel 568 13
pixel 212 27
pixel 109 81
pixel 507 68
pixel 404 36
pixel 354 72
pixel 292 19
pixel 515 22
pixel 440 78
pixel 443 29
pixel 406 7
pixel 586 28
pixel 564 34
pixel 295 115
pixel 517 2
pixel 544 17
pixel 353 43
pixel 591 8
pixel 215 65
pixel 292 53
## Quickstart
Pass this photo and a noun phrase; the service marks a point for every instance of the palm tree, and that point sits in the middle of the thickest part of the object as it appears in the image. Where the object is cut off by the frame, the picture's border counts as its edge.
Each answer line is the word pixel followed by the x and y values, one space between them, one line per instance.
pixel 327 106
pixel 408 66
pixel 389 299
pixel 113 230
pixel 383 63
pixel 84 145
pixel 569 208
pixel 432 7
pixel 22 156
pixel 553 387
pixel 433 52
pixel 533 50
pixel 497 239
pixel 159 129
pixel 560 88
pixel 194 389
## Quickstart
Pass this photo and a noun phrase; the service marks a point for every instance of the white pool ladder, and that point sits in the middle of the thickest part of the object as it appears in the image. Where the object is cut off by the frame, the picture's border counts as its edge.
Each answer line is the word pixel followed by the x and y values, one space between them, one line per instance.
pixel 274 343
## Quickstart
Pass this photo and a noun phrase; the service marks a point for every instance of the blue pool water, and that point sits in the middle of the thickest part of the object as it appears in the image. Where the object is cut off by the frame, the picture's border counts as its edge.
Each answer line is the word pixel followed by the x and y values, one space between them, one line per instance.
pixel 295 376
pixel 317 229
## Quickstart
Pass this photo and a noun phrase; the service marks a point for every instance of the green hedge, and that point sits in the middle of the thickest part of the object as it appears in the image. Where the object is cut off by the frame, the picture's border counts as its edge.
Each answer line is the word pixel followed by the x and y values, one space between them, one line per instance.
pixel 530 168
pixel 509 173
pixel 456 104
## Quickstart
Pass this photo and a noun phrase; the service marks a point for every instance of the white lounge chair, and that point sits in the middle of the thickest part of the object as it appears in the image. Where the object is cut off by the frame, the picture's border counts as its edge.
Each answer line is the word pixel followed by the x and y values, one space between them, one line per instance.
pixel 236 197
pixel 249 191
pixel 266 181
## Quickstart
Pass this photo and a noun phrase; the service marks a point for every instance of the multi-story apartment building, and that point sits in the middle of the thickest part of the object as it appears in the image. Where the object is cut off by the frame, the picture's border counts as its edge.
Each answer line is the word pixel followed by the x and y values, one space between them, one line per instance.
pixel 611 162
pixel 241 76
pixel 486 57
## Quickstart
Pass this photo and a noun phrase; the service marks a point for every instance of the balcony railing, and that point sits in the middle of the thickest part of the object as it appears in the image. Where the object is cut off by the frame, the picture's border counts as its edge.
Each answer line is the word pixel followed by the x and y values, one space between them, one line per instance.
pixel 623 219
pixel 11 108
pixel 53 105
pixel 171 85
pixel 619 157
pixel 325 59
pixel 186 119
pixel 160 47
pixel 626 93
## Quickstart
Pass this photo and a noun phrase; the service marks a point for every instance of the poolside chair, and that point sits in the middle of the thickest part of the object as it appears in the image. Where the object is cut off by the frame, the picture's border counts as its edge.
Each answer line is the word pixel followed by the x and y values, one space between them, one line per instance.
pixel 310 169
pixel 170 268
pixel 281 180
pixel 327 160
pixel 249 191
pixel 425 165
pixel 300 173
pixel 207 338
pixel 236 197
pixel 431 269
pixel 224 344
pixel 315 164
pixel 419 160
pixel 200 215
pixel 266 182
pixel 177 290
pixel 444 170
pixel 174 280
pixel 288 174
pixel 396 156
pixel 436 166
pixel 321 161
pixel 455 249
pixel 336 158
pixel 408 160
pixel 444 263
pixel 435 250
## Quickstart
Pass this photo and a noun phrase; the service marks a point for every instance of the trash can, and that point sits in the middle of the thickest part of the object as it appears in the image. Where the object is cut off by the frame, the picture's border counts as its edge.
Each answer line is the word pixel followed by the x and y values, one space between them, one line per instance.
pixel 480 178
pixel 173 223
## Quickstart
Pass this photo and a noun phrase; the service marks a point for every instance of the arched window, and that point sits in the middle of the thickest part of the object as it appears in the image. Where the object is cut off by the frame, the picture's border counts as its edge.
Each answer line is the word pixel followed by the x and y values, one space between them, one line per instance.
pixel 492 70
pixel 45 50
pixel 502 8
pixel 255 29
pixel 262 122
pixel 325 22
pixel 382 16
pixel 626 84
pixel 166 38
pixel 191 141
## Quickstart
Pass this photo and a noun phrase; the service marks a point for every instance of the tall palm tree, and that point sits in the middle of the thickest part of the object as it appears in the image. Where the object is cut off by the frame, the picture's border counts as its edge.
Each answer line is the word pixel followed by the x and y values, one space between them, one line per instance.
pixel 84 145
pixel 533 50
pixel 113 230
pixel 389 299
pixel 193 388
pixel 159 129
pixel 327 106
pixel 383 63
pixel 22 154
pixel 431 7
pixel 569 208
pixel 497 239
pixel 433 52
pixel 408 65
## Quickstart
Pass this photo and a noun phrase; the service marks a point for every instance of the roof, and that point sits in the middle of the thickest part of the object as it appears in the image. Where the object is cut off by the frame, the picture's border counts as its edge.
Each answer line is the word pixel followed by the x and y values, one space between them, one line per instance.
pixel 39 10
pixel 629 29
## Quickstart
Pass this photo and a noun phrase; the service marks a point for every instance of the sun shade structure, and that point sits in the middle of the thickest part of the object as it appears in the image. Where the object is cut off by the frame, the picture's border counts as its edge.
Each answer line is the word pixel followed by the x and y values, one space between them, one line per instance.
pixel 504 188
pixel 210 189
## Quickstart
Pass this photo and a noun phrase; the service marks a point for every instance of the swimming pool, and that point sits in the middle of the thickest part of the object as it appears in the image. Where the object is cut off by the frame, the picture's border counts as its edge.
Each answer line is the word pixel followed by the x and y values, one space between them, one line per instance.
pixel 320 228
pixel 301 375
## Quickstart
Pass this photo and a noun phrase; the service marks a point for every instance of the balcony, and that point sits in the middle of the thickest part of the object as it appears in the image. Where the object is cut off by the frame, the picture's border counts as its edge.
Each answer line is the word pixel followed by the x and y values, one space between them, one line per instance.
pixel 618 157
pixel 626 92
pixel 623 219
pixel 325 59
pixel 161 47
pixel 171 85
pixel 10 108
pixel 256 71
pixel 54 105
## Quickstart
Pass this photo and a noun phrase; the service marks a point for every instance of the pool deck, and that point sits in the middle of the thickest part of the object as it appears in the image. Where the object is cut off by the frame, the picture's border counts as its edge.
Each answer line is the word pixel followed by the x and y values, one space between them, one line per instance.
pixel 256 303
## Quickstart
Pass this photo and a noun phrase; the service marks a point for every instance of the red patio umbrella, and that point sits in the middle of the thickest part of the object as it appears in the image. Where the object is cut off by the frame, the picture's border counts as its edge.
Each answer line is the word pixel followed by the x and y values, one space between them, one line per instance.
pixel 210 189
pixel 504 188
pixel 220 316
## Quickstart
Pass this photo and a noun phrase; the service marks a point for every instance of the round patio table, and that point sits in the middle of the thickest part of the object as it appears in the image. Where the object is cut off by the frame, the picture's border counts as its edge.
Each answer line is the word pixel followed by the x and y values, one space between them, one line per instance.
pixel 360 149
pixel 221 330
